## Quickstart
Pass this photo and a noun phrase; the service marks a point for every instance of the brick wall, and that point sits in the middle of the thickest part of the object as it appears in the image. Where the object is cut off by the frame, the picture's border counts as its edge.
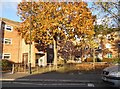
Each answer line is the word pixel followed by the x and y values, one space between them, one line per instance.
pixel 0 39
pixel 14 48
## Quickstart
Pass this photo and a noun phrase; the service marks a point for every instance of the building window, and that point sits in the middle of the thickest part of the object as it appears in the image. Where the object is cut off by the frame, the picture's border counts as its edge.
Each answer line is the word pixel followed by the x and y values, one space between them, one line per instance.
pixel 7 41
pixel 51 46
pixel 6 56
pixel 8 27
pixel 109 55
pixel 100 47
pixel 108 36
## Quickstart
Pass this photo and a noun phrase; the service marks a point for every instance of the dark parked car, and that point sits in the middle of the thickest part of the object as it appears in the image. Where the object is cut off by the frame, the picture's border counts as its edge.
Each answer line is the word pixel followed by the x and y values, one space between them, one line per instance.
pixel 111 75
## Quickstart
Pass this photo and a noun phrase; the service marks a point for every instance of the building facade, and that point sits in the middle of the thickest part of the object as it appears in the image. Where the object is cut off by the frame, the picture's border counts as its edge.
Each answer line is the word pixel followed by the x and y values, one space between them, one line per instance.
pixel 10 40
pixel 111 45
pixel 14 48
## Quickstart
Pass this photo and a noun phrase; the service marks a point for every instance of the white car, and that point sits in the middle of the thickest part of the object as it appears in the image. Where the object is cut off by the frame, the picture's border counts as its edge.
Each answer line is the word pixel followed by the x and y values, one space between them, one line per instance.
pixel 111 75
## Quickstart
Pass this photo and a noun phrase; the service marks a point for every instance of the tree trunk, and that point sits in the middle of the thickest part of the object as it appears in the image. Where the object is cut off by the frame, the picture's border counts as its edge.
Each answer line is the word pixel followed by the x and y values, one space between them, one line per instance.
pixel 93 58
pixel 55 53
pixel 70 54
pixel 82 54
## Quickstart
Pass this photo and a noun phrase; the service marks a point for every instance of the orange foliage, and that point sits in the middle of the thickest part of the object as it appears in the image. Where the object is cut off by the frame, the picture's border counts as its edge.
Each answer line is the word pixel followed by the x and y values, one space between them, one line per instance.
pixel 47 17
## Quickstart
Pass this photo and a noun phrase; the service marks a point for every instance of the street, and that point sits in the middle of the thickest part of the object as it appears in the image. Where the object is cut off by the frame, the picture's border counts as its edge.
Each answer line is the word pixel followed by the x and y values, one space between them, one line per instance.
pixel 55 79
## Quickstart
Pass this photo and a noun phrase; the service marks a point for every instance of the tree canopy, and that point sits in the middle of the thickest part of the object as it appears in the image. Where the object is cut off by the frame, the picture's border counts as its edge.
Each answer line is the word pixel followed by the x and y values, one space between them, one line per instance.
pixel 64 20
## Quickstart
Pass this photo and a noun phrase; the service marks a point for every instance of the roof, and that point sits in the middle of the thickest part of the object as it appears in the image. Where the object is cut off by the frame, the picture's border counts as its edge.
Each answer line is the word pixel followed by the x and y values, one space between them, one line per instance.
pixel 10 21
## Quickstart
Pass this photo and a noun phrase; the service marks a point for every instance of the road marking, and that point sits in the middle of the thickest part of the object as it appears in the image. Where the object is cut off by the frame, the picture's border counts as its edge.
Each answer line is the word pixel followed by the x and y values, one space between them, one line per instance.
pixel 52 84
pixel 91 85
pixel 46 80
pixel 7 79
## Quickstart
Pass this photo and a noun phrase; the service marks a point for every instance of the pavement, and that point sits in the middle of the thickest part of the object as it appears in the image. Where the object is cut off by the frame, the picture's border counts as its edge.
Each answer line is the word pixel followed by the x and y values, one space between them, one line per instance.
pixel 24 76
pixel 9 76
pixel 13 76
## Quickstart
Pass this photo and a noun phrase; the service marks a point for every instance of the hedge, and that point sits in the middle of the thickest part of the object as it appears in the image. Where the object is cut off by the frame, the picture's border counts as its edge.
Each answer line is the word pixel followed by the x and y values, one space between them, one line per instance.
pixel 112 60
pixel 91 60
pixel 6 64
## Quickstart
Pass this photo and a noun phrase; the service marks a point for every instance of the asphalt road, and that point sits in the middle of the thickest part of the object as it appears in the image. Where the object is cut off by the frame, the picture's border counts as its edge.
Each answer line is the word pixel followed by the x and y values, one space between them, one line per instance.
pixel 55 79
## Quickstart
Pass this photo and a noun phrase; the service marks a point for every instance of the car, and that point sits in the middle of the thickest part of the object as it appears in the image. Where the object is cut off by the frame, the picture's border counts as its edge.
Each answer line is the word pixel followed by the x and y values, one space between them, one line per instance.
pixel 111 75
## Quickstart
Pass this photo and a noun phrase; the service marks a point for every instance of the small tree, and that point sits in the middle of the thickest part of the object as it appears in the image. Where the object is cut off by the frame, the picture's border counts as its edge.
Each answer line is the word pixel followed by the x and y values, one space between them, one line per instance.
pixel 67 51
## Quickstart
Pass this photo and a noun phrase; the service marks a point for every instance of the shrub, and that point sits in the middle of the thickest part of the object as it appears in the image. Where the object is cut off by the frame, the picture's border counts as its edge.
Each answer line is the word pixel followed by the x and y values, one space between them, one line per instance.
pixel 6 64
pixel 107 60
pixel 89 60
pixel 116 60
pixel 112 60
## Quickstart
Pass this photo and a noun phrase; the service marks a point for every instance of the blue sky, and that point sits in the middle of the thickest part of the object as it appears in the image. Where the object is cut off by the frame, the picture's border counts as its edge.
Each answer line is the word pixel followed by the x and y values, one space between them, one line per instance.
pixel 9 10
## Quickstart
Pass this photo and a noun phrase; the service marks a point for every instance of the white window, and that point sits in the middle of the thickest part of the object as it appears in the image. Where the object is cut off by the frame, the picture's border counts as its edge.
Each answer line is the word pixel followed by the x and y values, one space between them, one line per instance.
pixel 8 27
pixel 108 45
pixel 6 56
pixel 50 46
pixel 108 36
pixel 7 41
pixel 100 47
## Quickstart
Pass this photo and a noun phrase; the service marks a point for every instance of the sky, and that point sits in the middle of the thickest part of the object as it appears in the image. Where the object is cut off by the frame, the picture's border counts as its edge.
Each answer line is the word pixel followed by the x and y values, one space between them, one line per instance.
pixel 8 9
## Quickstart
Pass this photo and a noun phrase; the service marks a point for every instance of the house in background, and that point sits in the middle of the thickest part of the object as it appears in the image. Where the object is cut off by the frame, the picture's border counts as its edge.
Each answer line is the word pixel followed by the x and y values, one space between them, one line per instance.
pixel 110 44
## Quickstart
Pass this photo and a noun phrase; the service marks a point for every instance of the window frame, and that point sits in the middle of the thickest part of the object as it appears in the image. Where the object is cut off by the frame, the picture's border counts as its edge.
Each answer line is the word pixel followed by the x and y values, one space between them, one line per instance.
pixel 3 56
pixel 109 55
pixel 10 27
pixel 8 42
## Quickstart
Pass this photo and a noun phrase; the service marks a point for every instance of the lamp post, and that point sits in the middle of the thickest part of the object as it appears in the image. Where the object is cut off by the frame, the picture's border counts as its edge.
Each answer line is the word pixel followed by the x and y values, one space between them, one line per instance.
pixel 30 49
pixel 55 50
pixel 30 17
pixel 119 50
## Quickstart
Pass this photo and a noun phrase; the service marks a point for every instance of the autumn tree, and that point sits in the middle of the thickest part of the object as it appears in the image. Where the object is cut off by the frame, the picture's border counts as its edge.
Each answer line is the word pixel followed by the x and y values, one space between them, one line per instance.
pixel 52 21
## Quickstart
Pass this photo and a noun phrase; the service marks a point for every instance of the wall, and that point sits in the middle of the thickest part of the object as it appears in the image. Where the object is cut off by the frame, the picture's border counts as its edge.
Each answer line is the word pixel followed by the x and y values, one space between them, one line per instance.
pixel 14 48
pixel 1 39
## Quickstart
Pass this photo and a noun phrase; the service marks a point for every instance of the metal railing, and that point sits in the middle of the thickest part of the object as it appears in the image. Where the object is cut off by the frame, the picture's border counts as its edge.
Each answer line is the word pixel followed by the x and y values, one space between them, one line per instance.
pixel 19 67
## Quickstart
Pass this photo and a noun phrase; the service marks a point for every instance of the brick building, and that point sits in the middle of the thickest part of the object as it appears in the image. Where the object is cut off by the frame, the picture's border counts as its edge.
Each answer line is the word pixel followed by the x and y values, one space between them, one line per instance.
pixel 14 48
pixel 10 40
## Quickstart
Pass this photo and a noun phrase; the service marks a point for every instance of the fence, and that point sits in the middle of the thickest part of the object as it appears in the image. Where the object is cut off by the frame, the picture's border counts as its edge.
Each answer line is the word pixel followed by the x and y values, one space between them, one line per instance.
pixel 19 67
pixel 91 65
pixel 43 69
pixel 51 67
